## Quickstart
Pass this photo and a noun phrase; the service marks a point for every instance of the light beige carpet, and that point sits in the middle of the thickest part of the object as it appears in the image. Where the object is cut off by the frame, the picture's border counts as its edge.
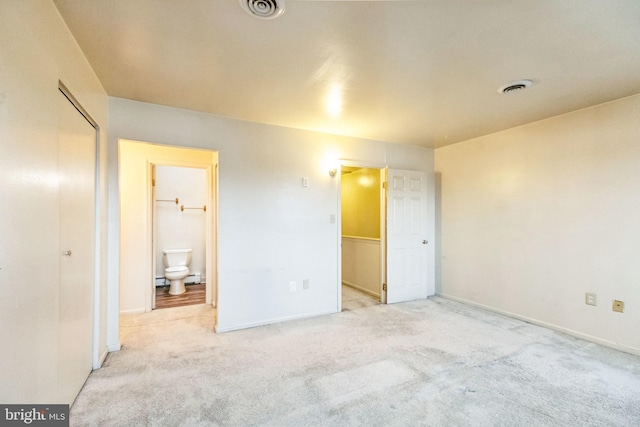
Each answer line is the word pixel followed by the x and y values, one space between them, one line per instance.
pixel 431 363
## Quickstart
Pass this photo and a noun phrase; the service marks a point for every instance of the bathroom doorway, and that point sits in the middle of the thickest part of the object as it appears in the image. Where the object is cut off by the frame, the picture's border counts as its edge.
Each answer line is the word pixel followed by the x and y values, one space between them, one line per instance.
pixel 137 202
pixel 179 223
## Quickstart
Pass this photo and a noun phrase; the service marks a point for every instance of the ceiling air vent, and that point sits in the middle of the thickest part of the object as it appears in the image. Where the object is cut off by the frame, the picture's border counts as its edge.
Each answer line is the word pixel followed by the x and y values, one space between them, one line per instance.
pixel 515 86
pixel 263 9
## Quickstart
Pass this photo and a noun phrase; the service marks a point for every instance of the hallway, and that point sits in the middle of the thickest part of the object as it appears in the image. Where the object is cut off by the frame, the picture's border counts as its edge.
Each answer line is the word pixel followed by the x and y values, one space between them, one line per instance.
pixel 352 299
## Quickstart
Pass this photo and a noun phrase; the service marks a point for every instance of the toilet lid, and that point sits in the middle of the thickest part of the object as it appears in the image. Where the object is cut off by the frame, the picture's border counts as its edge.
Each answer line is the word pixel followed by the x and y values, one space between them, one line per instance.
pixel 176 269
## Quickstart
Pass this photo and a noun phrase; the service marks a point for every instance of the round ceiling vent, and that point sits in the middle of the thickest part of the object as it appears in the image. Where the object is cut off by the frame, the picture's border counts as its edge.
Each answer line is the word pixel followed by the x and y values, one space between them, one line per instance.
pixel 263 9
pixel 515 86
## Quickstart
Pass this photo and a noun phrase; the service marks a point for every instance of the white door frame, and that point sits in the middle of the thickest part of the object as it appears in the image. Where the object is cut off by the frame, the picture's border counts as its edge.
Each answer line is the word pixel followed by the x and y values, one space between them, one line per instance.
pixel 383 263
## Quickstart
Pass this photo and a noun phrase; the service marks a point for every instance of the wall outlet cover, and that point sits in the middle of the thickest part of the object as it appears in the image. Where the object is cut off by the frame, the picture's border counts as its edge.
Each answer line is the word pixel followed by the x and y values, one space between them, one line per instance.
pixel 590 298
pixel 618 306
pixel 292 286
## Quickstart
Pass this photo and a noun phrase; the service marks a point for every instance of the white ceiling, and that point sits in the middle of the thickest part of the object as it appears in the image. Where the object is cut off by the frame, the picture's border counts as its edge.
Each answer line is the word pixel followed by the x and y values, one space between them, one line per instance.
pixel 416 72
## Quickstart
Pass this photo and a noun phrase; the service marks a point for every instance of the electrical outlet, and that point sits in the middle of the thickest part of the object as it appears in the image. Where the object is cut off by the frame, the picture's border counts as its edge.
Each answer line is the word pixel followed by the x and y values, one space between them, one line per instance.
pixel 590 298
pixel 305 284
pixel 618 306
pixel 292 286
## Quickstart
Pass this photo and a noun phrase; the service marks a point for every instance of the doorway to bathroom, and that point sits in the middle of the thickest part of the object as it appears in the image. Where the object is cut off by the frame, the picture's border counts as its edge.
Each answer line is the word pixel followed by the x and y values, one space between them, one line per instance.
pixel 179 235
pixel 138 257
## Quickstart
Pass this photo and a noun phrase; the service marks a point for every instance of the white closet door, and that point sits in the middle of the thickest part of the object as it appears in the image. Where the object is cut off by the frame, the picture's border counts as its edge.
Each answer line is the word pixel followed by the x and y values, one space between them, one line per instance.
pixel 77 159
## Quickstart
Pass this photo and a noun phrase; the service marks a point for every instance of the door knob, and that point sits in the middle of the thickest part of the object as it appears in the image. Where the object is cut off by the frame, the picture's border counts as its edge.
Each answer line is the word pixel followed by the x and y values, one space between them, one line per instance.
pixel 424 242
pixel 67 253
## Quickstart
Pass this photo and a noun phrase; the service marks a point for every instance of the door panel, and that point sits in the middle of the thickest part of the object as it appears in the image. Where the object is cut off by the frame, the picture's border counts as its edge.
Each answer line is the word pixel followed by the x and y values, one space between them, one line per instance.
pixel 76 157
pixel 406 235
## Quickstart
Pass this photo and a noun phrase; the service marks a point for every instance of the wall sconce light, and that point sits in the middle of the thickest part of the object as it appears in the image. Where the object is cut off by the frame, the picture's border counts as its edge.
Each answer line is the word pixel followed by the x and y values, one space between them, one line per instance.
pixel 333 172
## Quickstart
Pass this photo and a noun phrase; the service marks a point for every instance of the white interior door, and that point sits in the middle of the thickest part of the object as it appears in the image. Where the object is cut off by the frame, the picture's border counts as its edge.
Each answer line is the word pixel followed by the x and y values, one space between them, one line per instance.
pixel 77 163
pixel 406 235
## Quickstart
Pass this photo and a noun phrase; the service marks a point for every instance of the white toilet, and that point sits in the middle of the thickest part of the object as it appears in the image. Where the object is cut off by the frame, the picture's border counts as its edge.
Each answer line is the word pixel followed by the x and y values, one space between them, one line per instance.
pixel 176 263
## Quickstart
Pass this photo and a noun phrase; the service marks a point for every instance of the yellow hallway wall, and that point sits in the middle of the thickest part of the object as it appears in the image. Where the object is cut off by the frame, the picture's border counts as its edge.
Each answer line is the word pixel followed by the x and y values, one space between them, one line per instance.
pixel 361 203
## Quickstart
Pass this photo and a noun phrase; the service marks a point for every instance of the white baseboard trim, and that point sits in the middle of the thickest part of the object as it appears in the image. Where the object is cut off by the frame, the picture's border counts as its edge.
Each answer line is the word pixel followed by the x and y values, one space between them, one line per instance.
pixel 581 335
pixel 103 355
pixel 97 364
pixel 114 347
pixel 219 329
pixel 360 288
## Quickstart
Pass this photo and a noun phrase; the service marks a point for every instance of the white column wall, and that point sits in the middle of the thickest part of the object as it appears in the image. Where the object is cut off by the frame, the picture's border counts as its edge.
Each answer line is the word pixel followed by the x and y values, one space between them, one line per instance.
pixel 534 217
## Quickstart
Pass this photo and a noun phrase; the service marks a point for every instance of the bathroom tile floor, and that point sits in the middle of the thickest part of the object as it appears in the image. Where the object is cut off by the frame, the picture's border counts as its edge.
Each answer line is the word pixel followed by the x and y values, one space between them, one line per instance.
pixel 193 295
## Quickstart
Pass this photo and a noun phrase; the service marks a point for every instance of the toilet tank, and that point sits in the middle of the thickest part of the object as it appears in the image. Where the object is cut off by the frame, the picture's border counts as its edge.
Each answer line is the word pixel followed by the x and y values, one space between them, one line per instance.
pixel 176 257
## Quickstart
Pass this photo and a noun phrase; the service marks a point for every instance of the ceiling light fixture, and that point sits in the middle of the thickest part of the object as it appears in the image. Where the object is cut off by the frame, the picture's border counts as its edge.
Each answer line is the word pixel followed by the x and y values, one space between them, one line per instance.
pixel 263 9
pixel 515 86
pixel 333 103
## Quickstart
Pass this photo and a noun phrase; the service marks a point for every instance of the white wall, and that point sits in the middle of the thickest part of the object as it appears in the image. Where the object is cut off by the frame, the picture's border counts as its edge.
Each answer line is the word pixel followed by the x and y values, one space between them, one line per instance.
pixel 361 264
pixel 176 228
pixel 37 50
pixel 271 229
pixel 534 217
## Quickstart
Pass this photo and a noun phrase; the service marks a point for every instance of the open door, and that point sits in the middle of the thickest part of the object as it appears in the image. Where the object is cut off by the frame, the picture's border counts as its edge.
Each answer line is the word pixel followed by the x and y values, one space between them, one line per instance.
pixel 406 242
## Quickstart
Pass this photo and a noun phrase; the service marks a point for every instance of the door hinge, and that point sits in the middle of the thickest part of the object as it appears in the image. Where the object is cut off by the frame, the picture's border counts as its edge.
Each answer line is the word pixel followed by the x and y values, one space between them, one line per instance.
pixel 384 185
pixel 384 286
pixel 153 182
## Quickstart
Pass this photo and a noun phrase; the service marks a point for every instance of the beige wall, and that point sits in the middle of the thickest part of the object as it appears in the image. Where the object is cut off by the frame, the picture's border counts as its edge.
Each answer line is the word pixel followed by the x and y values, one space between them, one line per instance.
pixel 534 217
pixel 361 264
pixel 36 51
